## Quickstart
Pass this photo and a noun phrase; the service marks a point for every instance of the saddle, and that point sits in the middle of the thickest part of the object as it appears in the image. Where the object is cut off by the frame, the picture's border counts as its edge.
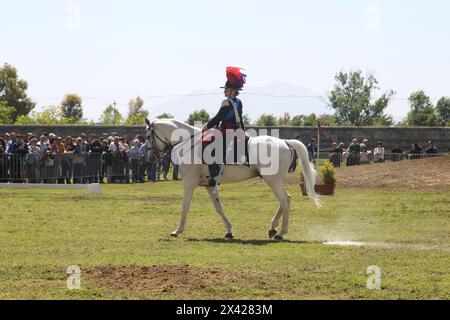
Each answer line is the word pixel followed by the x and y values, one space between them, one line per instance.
pixel 237 160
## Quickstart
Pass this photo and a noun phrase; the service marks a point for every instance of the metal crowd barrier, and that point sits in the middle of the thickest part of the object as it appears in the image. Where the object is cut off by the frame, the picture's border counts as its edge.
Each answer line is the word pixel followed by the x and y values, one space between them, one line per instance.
pixel 88 168
pixel 76 168
pixel 348 159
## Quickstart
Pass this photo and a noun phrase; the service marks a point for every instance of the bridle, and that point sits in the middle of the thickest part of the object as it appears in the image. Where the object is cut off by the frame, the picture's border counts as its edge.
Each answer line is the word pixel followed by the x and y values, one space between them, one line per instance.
pixel 152 137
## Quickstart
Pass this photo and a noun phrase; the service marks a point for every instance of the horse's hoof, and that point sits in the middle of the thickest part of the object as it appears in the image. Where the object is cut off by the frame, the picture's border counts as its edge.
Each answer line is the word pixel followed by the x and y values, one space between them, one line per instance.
pixel 278 238
pixel 272 233
pixel 174 235
pixel 229 236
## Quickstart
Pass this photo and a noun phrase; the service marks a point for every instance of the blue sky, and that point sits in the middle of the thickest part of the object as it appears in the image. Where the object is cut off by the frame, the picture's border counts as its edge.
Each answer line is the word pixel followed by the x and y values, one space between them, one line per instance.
pixel 121 49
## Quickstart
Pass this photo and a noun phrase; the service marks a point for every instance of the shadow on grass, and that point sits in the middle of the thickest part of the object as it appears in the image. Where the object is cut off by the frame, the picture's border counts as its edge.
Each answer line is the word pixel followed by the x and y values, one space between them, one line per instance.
pixel 245 242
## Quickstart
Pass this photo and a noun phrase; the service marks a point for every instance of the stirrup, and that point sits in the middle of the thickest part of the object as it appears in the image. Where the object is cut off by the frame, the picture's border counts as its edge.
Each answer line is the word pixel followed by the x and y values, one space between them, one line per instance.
pixel 212 182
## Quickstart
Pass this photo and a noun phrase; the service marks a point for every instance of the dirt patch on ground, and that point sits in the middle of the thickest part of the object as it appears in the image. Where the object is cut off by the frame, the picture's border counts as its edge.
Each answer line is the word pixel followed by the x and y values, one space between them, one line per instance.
pixel 161 279
pixel 424 174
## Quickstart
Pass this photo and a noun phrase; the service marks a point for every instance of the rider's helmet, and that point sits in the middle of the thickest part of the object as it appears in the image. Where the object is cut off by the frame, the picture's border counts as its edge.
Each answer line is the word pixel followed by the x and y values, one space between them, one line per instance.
pixel 235 79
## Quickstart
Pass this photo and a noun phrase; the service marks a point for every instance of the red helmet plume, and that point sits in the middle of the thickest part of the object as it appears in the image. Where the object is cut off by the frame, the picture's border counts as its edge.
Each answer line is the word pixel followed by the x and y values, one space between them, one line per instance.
pixel 236 79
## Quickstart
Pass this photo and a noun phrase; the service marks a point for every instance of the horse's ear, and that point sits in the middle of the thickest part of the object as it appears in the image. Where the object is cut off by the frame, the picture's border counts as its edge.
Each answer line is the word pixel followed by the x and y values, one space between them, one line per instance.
pixel 148 122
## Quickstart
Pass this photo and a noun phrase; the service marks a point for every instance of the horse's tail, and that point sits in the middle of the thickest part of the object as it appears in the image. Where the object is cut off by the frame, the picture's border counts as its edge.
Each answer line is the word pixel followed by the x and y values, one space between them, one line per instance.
pixel 309 172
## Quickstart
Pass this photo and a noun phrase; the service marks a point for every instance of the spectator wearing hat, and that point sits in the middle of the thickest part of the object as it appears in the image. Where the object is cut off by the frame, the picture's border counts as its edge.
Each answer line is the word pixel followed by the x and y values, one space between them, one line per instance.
pixel 431 151
pixel 378 153
pixel 93 161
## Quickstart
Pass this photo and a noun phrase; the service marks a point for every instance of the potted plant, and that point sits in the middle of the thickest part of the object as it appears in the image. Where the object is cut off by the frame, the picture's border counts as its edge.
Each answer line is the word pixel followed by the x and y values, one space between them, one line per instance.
pixel 327 176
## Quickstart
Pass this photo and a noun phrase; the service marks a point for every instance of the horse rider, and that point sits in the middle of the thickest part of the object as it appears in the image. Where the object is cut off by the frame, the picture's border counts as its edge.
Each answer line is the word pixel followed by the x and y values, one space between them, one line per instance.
pixel 229 116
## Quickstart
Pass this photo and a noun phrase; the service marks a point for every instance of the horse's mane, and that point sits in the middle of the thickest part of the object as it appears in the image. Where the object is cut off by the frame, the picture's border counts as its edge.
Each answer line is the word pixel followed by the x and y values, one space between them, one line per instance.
pixel 178 124
pixel 177 152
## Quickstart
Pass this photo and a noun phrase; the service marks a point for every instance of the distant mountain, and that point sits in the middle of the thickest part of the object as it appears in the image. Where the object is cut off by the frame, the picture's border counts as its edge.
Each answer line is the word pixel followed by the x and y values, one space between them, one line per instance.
pixel 275 98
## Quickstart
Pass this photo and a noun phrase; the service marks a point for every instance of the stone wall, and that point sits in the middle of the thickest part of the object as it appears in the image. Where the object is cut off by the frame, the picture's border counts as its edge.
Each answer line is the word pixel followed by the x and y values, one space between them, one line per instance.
pixel 389 136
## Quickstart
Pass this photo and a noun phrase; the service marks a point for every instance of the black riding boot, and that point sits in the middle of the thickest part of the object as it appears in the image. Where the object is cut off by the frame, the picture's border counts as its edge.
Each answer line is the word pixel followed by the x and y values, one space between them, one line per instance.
pixel 214 171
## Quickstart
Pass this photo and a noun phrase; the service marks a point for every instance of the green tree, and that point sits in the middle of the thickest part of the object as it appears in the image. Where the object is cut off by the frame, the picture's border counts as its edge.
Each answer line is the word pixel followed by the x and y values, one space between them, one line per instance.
pixel 310 120
pixel 297 121
pixel 111 117
pixel 351 99
pixel 6 113
pixel 165 116
pixel 443 110
pixel 13 93
pixel 246 119
pixel 384 121
pixel 198 116
pixel 72 108
pixel 24 120
pixel 49 115
pixel 327 120
pixel 136 112
pixel 267 120
pixel 285 120
pixel 422 111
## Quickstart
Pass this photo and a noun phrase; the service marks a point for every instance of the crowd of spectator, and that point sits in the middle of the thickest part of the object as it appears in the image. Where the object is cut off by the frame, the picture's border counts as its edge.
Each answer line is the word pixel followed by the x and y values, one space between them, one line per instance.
pixel 65 160
pixel 361 153
pixel 114 159
pixel 357 153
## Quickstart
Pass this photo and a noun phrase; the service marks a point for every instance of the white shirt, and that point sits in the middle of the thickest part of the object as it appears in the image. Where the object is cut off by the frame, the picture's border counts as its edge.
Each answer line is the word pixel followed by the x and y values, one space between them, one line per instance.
pixel 114 148
pixel 43 146
pixel 379 152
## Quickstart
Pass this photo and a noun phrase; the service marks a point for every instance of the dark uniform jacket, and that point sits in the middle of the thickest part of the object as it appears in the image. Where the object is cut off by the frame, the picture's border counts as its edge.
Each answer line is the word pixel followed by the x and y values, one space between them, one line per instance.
pixel 226 118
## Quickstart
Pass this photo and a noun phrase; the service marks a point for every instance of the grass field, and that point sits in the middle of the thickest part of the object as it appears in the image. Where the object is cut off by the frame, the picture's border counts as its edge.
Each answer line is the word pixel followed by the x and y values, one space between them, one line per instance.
pixel 120 241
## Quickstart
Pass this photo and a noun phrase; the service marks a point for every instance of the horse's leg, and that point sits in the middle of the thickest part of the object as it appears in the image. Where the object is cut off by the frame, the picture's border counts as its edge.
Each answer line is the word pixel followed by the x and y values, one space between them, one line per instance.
pixel 218 205
pixel 285 225
pixel 188 193
pixel 285 205
pixel 275 222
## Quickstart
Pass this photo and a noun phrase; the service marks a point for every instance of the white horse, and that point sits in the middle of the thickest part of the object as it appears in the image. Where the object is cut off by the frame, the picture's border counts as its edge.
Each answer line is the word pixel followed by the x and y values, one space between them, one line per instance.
pixel 160 134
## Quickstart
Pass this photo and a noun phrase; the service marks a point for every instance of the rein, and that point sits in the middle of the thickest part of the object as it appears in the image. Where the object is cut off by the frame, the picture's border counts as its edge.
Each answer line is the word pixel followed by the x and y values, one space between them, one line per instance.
pixel 155 137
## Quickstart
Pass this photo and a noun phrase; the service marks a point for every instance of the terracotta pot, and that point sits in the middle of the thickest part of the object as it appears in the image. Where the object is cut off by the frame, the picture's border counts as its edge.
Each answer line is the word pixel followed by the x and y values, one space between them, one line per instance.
pixel 321 189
